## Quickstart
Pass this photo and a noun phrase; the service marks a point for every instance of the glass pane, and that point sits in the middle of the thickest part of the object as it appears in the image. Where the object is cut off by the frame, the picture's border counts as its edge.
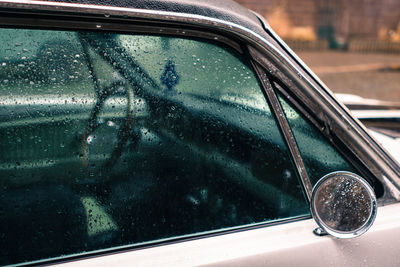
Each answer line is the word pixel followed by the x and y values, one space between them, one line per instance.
pixel 319 156
pixel 114 140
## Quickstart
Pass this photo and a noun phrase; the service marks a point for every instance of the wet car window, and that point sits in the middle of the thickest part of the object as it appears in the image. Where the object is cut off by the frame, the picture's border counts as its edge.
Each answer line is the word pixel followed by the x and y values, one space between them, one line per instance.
pixel 110 140
pixel 319 156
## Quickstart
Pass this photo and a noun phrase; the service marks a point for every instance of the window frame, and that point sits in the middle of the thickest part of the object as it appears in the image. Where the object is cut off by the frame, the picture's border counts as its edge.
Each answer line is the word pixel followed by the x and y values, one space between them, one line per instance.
pixel 280 117
pixel 330 117
pixel 329 131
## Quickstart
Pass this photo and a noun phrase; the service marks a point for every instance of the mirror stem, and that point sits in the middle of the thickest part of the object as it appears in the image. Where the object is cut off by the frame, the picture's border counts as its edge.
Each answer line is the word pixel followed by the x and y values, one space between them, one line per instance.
pixel 319 231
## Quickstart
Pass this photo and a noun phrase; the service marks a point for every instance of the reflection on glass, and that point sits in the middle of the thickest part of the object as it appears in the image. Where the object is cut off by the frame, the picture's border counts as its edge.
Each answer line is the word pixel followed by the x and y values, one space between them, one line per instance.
pixel 115 140
pixel 343 204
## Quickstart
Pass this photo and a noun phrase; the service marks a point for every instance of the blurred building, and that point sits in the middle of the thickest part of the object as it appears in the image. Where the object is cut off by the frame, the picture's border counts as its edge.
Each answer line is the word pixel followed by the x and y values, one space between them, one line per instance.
pixel 336 21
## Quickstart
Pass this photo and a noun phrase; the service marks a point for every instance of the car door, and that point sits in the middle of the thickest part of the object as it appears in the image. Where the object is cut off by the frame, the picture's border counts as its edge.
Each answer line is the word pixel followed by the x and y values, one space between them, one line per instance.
pixel 154 149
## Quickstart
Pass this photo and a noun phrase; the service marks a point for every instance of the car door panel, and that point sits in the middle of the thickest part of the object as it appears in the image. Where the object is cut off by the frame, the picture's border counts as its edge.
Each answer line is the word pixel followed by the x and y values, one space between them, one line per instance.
pixel 286 244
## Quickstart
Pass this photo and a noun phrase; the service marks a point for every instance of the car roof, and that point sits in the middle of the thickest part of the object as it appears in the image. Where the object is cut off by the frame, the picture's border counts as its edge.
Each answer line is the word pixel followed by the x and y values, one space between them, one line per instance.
pixel 227 10
pixel 222 10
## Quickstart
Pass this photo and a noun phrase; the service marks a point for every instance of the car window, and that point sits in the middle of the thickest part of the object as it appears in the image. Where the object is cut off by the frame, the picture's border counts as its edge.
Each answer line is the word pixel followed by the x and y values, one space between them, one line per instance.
pixel 217 76
pixel 111 140
pixel 319 156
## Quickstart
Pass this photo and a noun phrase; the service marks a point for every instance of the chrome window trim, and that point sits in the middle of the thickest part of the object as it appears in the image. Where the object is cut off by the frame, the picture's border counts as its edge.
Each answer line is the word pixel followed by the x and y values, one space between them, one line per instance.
pixel 286 131
pixel 305 86
pixel 162 242
pixel 111 26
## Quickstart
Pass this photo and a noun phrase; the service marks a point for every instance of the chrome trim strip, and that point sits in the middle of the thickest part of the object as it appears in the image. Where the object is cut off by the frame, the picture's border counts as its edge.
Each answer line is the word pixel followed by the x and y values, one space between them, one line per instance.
pixel 162 242
pixel 287 132
pixel 111 26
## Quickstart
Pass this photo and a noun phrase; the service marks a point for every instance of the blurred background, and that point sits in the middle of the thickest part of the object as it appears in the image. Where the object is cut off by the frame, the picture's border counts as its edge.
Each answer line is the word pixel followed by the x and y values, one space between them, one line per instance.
pixel 353 46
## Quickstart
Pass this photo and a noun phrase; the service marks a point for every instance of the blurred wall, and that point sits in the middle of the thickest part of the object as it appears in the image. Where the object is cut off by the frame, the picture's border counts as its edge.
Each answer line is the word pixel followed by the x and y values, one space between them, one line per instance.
pixel 337 21
pixel 352 45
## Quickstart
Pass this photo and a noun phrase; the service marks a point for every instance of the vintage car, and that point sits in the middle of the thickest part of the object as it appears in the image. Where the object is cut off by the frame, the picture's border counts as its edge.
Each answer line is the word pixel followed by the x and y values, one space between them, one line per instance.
pixel 179 133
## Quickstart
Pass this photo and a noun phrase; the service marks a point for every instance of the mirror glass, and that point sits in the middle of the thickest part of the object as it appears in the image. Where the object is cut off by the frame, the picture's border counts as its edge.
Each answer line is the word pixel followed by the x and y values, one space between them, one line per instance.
pixel 343 204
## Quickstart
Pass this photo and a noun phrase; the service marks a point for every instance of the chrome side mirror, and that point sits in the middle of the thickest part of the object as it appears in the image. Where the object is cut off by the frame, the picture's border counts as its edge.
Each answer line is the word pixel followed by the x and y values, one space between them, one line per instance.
pixel 343 204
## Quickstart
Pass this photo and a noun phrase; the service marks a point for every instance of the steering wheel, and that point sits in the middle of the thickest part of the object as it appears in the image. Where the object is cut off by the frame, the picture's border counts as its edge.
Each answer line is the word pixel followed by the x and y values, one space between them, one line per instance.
pixel 124 132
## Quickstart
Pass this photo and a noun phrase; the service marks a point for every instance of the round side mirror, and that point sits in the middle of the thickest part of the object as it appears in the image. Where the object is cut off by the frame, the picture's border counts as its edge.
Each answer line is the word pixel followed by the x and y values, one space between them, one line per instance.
pixel 343 204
